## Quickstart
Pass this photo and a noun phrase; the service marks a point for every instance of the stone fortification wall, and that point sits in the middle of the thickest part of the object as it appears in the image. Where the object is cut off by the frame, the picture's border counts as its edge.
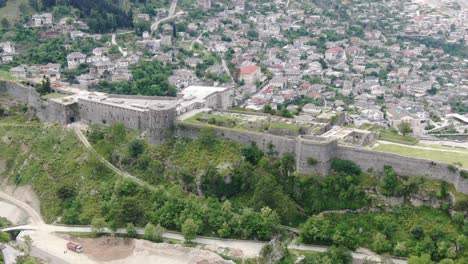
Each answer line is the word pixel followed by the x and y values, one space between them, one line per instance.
pixel 46 110
pixel 403 165
pixel 281 144
pixel 94 112
pixel 314 154
pixel 160 125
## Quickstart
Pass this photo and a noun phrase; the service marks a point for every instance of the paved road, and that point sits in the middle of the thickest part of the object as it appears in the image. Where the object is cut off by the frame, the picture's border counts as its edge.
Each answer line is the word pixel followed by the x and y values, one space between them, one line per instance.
pixel 114 42
pixel 36 218
pixel 170 16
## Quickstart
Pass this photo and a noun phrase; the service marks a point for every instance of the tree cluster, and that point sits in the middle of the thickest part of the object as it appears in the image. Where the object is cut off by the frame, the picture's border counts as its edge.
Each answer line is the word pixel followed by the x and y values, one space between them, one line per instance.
pixel 148 78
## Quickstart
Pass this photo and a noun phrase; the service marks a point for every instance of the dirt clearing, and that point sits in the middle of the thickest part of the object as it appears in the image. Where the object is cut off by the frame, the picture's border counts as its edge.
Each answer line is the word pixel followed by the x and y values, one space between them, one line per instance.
pixel 117 250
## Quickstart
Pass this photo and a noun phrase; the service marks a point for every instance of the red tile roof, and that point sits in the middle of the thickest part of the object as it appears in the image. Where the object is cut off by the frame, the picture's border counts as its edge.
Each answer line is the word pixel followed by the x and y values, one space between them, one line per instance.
pixel 334 50
pixel 249 69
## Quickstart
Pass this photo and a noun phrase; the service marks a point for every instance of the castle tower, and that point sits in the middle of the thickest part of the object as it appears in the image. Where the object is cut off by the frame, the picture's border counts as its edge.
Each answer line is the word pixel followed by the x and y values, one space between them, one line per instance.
pixel 314 154
pixel 161 123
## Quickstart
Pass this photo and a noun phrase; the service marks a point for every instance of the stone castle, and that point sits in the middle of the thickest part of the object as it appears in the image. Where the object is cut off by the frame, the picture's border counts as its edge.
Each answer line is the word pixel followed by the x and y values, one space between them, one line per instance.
pixel 161 118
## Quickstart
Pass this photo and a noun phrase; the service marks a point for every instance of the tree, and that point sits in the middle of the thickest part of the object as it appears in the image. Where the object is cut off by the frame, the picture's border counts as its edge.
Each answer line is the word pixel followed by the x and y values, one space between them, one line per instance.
pixel 339 255
pixel 315 229
pixel 345 236
pixel 252 153
pixel 405 128
pixel 390 181
pixel 345 166
pixel 158 233
pixel 136 147
pixel 189 229
pixel 148 233
pixel 44 87
pixel 98 224
pixel 401 249
pixel 423 259
pixel 131 230
pixel 207 137
pixel 27 245
pixel 380 243
pixel 417 232
pixel 5 23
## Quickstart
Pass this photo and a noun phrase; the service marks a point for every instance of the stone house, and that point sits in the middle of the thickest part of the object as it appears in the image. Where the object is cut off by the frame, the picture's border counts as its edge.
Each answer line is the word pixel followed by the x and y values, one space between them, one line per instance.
pixel 397 115
pixel 74 59
pixel 40 20
pixel 86 80
pixel 19 71
pixel 334 54
pixel 250 74
pixel 51 70
pixel 7 47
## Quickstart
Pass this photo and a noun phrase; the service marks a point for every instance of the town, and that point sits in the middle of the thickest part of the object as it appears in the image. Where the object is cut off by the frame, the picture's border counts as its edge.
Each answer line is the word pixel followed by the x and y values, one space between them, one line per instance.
pixel 381 85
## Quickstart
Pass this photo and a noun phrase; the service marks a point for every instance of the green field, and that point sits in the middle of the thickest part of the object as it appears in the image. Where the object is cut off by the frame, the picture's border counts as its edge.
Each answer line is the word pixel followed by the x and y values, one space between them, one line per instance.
pixel 387 135
pixel 434 154
pixel 54 95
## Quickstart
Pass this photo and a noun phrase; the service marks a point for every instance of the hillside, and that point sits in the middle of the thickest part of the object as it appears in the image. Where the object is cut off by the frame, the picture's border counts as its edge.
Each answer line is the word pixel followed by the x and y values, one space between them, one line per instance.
pixel 12 10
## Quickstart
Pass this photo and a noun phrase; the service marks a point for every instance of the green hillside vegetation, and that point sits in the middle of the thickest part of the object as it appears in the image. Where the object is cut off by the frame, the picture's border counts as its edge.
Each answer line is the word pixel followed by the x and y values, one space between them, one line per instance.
pixel 402 231
pixel 227 189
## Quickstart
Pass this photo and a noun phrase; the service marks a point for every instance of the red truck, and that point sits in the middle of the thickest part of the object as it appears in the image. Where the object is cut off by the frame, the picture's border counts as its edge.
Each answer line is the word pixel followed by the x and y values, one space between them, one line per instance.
pixel 74 247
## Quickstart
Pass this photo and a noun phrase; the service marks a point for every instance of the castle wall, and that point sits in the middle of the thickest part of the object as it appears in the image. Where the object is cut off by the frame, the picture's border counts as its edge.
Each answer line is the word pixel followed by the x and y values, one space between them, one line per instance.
pixel 46 110
pixel 159 123
pixel 281 144
pixel 94 112
pixel 62 113
pixel 403 165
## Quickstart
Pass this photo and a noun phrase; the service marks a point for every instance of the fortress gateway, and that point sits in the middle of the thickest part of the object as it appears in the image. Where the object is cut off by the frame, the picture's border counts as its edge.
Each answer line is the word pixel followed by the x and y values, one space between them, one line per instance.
pixel 162 118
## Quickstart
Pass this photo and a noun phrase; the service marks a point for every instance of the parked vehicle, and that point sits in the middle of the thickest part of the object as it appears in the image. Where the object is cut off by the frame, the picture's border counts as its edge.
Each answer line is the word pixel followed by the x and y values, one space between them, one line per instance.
pixel 74 247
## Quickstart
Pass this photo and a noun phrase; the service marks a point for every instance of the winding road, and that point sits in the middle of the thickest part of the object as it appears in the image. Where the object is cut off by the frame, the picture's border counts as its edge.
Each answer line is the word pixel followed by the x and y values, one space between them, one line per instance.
pixel 170 16
pixel 249 248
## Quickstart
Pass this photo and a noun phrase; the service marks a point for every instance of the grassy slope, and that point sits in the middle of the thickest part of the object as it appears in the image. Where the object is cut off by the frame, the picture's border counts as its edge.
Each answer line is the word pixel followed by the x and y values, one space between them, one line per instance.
pixel 11 10
pixel 49 157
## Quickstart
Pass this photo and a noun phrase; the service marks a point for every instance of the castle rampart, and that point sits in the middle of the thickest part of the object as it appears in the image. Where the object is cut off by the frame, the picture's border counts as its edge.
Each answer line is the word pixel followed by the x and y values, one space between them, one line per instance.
pixel 157 118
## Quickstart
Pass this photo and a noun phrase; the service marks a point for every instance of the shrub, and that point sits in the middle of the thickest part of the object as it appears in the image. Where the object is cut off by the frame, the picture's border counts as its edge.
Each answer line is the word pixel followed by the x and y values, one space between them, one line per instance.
pixel 345 166
pixel 417 232
pixel 452 168
pixel 311 161
pixel 464 174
